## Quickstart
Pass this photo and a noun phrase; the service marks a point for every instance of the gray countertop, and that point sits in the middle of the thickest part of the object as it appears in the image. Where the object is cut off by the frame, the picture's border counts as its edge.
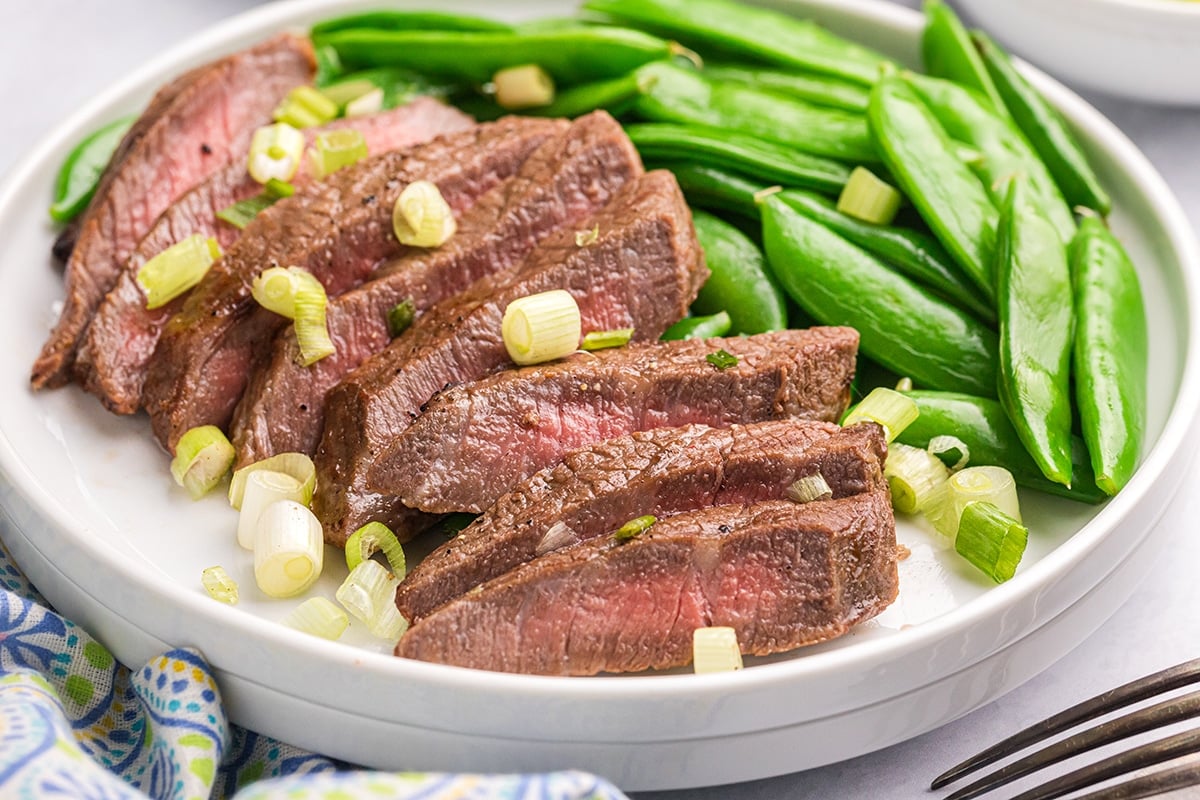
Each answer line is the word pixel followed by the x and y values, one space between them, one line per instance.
pixel 59 53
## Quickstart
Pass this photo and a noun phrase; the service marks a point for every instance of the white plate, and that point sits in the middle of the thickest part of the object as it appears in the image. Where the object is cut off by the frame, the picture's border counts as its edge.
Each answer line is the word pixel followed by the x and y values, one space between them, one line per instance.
pixel 93 517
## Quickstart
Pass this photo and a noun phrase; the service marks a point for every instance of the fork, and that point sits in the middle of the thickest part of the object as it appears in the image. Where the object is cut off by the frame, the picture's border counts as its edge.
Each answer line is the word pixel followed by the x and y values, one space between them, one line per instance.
pixel 1162 713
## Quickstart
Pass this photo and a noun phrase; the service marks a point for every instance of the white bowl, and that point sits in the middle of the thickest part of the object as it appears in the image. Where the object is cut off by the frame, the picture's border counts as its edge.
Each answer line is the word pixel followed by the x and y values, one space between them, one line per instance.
pixel 1146 50
pixel 92 516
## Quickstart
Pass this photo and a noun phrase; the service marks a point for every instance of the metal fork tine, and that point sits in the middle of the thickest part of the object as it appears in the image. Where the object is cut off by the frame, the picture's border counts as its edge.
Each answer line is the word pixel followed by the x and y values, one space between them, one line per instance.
pixel 1156 783
pixel 1133 723
pixel 1127 694
pixel 1147 755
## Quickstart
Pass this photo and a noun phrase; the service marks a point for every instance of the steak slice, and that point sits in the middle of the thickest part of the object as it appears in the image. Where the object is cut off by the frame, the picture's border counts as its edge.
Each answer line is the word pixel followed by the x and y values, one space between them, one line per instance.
pixel 564 182
pixel 476 441
pixel 120 340
pixel 193 126
pixel 781 574
pixel 642 272
pixel 664 471
pixel 339 229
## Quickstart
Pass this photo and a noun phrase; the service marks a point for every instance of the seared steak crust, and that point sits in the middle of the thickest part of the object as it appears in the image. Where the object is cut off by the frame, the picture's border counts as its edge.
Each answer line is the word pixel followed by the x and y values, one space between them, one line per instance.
pixel 476 441
pixel 779 573
pixel 664 471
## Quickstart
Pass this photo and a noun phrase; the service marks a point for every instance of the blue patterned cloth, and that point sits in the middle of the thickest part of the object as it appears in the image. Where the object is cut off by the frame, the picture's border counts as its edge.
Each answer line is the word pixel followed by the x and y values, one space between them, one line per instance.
pixel 76 725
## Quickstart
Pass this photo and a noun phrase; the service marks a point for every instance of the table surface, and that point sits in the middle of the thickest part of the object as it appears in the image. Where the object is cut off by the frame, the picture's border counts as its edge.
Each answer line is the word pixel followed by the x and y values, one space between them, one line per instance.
pixel 48 40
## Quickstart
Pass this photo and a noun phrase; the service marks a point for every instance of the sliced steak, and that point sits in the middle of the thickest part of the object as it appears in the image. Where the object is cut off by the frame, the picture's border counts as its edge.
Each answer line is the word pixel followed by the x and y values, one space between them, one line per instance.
pixel 340 230
pixel 476 441
pixel 781 574
pixel 664 471
pixel 116 351
pixel 192 127
pixel 564 182
pixel 642 272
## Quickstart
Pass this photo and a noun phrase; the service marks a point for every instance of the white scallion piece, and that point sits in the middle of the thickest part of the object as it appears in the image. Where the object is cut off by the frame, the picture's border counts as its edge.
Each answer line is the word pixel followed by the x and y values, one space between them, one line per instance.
pixel 289 549
pixel 177 269
pixel 913 475
pixel 993 485
pixel 368 103
pixel 891 409
pixel 312 329
pixel 715 650
pixel 319 617
pixel 524 86
pixel 297 465
pixel 219 585
pixel 422 217
pixel 374 537
pixel 276 288
pixel 263 488
pixel 389 624
pixel 809 488
pixel 305 107
pixel 275 153
pixel 202 457
pixel 334 150
pixel 368 591
pixel 541 327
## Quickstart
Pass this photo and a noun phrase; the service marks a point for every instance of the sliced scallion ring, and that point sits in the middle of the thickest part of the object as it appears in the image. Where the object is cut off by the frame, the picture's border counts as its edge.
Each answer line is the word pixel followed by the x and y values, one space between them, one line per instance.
pixel 368 593
pixel 372 538
pixel 202 457
pixel 263 488
pixel 891 409
pixel 177 269
pixel 334 150
pixel 913 475
pixel 297 465
pixel 952 445
pixel 312 329
pixel 422 217
pixel 991 540
pixel 288 549
pixel 541 327
pixel 305 107
pixel 388 624
pixel 524 86
pixel 319 617
pixel 988 484
pixel 809 488
pixel 602 340
pixel 275 153
pixel 634 528
pixel 715 650
pixel 276 288
pixel 219 585
pixel 868 198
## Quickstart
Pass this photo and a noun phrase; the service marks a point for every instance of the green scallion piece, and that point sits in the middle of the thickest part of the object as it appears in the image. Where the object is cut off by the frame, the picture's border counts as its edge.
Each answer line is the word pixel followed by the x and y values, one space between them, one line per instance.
pixel 319 617
pixel 346 92
pixel 219 585
pixel 868 198
pixel 372 538
pixel 602 340
pixel 401 316
pixel 177 269
pixel 991 540
pixel 893 410
pixel 202 457
pixel 334 150
pixel 722 359
pixel 312 332
pixel 240 213
pixel 913 475
pixel 305 107
pixel 634 528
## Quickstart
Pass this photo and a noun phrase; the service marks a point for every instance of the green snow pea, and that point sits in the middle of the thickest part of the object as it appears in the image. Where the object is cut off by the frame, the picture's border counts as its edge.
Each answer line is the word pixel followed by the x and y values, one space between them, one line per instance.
pixel 699 327
pixel 902 326
pixel 771 162
pixel 1033 294
pixel 713 188
pixel 398 20
pixel 982 424
pixel 80 173
pixel 967 117
pixel 818 89
pixel 1111 351
pixel 948 52
pixel 924 161
pixel 614 95
pixel 1045 129
pixel 740 283
pixel 742 30
pixel 917 255
pixel 680 94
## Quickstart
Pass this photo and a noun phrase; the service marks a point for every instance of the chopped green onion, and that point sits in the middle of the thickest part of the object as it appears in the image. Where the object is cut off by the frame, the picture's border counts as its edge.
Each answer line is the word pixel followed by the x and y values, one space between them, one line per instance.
pixel 722 359
pixel 991 540
pixel 276 288
pixel 202 457
pixel 905 384
pixel 422 217
pixel 891 409
pixel 275 153
pixel 369 103
pixel 312 332
pixel 389 624
pixel 240 213
pixel 591 236
pixel 369 593
pixel 809 488
pixel 541 327
pixel 333 150
pixel 953 445
pixel 634 528
pixel 305 107
pixel 297 465
pixel 319 617
pixel 993 485
pixel 602 340
pixel 525 86
pixel 219 585
pixel 401 316
pixel 177 269
pixel 345 92
pixel 371 538
pixel 913 475
pixel 715 650
pixel 263 488
pixel 868 198
pixel 288 549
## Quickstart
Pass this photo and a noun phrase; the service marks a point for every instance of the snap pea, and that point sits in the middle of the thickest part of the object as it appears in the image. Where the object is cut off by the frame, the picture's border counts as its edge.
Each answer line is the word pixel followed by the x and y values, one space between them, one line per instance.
pixel 570 55
pixel 917 255
pixel 397 20
pixel 1045 129
pixel 1033 292
pixel 679 94
pixel 615 95
pixel 967 117
pixel 982 424
pixel 699 327
pixel 947 51
pixel 923 160
pixel 713 188
pixel 740 283
pixel 1110 353
pixel 81 171
pixel 901 325
pixel 756 33
pixel 818 89
pixel 752 156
